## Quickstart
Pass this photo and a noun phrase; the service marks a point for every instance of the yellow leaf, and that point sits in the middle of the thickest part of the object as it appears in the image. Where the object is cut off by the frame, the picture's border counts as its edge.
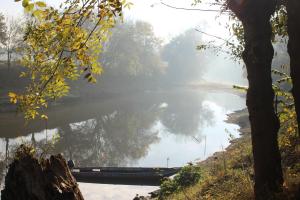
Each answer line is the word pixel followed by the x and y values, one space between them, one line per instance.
pixel 45 117
pixel 40 4
pixel 23 74
pixel 13 97
pixel 38 14
pixel 29 7
pixel 25 3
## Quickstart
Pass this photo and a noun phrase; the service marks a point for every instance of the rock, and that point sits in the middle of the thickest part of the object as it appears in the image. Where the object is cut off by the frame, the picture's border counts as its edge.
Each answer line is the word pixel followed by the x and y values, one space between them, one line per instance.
pixel 31 179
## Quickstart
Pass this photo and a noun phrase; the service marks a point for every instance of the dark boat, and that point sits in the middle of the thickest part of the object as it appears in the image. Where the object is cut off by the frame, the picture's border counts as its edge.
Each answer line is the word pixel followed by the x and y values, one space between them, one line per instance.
pixel 123 175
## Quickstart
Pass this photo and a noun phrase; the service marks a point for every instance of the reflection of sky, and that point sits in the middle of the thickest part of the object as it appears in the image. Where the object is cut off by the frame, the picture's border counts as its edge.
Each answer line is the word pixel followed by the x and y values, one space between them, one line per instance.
pixel 26 139
pixel 180 151
pixel 113 192
pixel 179 148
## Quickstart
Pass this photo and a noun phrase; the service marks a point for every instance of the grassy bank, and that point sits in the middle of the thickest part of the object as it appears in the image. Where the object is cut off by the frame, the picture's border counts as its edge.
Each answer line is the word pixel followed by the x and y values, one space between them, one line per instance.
pixel 229 174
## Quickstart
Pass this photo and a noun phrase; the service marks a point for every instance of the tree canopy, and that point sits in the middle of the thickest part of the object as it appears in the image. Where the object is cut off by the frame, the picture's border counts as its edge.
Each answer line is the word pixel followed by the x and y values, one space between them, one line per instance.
pixel 133 49
pixel 61 45
pixel 185 63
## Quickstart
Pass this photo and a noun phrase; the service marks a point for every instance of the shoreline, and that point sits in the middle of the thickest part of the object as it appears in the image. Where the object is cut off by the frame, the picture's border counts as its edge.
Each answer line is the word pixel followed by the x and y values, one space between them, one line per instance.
pixel 240 118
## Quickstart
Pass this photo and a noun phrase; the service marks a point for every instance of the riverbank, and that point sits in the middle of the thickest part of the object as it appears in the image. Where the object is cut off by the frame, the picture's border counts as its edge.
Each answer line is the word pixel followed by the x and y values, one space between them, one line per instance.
pixel 241 119
pixel 229 174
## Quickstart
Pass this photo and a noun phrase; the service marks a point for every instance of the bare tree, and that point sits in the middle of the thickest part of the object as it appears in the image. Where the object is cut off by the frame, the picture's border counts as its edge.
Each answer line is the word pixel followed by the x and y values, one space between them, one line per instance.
pixel 12 40
pixel 2 29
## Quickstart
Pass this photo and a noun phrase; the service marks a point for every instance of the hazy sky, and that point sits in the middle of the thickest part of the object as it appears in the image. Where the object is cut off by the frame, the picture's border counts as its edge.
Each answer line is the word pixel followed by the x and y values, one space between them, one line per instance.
pixel 167 22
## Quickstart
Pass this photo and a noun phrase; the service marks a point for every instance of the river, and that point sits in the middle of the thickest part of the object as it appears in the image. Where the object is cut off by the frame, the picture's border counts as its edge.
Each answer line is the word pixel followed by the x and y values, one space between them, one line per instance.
pixel 149 129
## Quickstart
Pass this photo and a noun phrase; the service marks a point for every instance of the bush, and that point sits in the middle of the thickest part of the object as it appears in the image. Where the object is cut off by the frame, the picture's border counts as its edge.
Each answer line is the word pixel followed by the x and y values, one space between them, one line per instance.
pixel 167 187
pixel 188 175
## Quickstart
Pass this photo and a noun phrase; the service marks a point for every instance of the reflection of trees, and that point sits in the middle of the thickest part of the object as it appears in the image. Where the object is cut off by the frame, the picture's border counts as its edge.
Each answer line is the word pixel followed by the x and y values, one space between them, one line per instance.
pixel 122 133
pixel 186 113
pixel 109 140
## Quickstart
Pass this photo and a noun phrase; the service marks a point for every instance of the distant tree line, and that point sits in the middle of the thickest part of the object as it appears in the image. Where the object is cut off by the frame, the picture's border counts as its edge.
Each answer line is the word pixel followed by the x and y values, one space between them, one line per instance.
pixel 133 54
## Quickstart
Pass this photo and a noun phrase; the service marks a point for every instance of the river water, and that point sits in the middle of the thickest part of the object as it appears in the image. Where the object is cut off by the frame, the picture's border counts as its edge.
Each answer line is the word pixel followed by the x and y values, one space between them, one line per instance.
pixel 149 129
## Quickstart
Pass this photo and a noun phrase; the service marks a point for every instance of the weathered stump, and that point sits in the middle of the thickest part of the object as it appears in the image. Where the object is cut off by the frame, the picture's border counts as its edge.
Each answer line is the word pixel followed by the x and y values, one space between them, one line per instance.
pixel 31 179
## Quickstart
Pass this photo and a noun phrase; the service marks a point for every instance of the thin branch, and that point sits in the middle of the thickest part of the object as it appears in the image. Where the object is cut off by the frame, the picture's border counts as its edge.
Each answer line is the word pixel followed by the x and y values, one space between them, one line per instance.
pixel 53 73
pixel 192 9
pixel 217 37
pixel 227 41
pixel 63 50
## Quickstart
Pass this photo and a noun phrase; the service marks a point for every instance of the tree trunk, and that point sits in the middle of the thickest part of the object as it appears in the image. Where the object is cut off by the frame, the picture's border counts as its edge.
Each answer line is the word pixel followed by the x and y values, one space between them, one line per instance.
pixel 8 58
pixel 293 12
pixel 258 54
pixel 28 178
pixel 6 151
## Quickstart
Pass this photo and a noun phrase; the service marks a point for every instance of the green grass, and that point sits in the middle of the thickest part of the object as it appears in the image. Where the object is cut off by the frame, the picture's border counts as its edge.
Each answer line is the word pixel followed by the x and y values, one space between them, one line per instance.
pixel 229 175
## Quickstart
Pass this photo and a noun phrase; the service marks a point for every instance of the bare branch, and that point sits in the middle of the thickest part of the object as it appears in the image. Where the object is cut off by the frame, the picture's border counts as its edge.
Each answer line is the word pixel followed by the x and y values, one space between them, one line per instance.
pixel 192 9
pixel 217 37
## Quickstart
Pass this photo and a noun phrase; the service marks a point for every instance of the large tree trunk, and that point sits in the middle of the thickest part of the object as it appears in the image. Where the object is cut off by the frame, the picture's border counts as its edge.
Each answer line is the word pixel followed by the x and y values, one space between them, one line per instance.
pixel 31 179
pixel 258 54
pixel 293 11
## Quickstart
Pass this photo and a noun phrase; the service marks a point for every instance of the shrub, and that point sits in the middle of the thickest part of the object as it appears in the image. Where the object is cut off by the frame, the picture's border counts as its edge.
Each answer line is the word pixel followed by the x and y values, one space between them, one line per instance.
pixel 188 175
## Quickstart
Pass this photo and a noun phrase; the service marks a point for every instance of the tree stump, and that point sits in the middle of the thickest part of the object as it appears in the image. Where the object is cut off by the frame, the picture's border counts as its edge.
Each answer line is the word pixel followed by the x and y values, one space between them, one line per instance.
pixel 31 179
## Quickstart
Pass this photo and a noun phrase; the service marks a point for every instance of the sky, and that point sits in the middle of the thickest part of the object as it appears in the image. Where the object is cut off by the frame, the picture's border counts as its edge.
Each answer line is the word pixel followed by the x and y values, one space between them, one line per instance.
pixel 166 22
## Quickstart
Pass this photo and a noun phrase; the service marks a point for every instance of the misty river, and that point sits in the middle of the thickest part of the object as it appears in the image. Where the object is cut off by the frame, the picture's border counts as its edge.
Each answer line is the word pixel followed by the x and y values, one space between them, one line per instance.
pixel 149 129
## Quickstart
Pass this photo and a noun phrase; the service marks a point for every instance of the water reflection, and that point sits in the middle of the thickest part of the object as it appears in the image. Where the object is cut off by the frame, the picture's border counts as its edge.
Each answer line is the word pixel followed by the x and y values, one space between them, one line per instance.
pixel 186 114
pixel 117 139
pixel 125 131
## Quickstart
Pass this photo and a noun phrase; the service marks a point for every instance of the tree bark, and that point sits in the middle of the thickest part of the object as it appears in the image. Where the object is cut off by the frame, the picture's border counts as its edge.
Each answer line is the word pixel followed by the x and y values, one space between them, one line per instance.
pixel 258 54
pixel 31 179
pixel 293 12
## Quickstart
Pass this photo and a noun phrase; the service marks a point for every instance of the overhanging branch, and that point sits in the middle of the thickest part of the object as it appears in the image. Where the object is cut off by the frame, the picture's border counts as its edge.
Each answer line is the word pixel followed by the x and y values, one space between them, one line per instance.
pixel 193 9
pixel 217 37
